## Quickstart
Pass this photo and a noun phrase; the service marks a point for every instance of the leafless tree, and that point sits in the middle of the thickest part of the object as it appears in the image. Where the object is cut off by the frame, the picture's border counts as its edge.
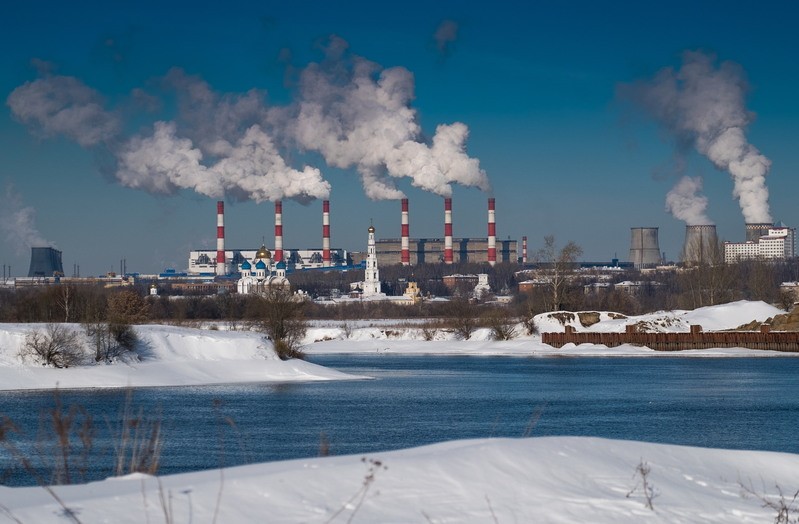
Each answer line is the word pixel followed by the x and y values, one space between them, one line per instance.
pixel 57 346
pixel 279 314
pixel 559 265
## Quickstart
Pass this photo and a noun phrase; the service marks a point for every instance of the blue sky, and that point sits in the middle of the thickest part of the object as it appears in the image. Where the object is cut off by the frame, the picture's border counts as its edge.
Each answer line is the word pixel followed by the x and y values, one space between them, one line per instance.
pixel 535 84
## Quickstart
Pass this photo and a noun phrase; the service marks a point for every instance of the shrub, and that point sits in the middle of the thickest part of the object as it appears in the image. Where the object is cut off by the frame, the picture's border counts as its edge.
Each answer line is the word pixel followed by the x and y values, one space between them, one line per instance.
pixel 279 315
pixel 57 346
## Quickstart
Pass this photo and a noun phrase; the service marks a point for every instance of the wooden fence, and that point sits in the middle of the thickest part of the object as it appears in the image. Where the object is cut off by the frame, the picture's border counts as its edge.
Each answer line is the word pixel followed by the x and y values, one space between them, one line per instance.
pixel 787 341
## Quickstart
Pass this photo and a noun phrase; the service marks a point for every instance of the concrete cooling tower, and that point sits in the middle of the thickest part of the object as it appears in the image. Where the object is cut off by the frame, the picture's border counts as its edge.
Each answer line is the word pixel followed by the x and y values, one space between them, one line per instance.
pixel 755 231
pixel 45 262
pixel 701 245
pixel 644 247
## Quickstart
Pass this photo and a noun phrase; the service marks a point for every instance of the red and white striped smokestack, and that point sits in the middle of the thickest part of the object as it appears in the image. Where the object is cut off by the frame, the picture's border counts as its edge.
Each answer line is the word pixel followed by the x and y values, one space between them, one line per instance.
pixel 492 233
pixel 406 253
pixel 524 250
pixel 448 231
pixel 278 231
pixel 221 266
pixel 326 233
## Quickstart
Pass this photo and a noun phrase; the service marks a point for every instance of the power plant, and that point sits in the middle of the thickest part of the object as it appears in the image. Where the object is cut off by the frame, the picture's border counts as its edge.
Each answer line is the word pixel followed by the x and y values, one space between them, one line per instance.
pixel 45 262
pixel 404 250
pixel 644 247
pixel 756 230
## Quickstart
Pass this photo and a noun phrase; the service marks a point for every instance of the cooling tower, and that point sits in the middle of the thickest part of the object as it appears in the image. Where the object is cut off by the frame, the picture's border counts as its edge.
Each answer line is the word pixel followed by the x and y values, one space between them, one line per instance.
pixel 45 262
pixel 755 231
pixel 644 247
pixel 701 245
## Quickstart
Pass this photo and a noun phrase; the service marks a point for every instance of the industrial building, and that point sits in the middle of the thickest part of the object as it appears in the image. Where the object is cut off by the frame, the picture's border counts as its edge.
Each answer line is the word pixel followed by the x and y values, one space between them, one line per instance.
pixel 778 243
pixel 701 245
pixel 644 247
pixel 432 250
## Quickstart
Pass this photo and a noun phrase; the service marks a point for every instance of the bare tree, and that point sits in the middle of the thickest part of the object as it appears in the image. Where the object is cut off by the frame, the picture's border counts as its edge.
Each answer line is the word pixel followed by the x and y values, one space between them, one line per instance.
pixel 559 265
pixel 465 317
pixel 280 315
pixel 57 346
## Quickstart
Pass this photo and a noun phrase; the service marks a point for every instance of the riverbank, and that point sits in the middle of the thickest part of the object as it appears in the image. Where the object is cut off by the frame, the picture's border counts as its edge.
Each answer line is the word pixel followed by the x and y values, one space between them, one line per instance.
pixel 545 479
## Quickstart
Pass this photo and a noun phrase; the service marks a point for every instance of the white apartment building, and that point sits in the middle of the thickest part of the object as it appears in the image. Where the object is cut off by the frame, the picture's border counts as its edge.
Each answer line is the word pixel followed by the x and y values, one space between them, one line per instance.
pixel 779 243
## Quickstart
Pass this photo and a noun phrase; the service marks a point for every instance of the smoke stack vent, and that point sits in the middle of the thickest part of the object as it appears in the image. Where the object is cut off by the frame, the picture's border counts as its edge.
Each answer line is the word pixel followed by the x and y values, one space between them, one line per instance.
pixel 278 231
pixel 406 254
pixel 492 233
pixel 756 230
pixel 644 247
pixel 524 250
pixel 448 231
pixel 326 233
pixel 221 265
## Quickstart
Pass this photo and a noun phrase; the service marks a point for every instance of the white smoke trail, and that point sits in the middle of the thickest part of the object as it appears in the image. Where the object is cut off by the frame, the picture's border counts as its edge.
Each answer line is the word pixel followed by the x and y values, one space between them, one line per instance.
pixel 357 114
pixel 18 223
pixel 704 104
pixel 63 105
pixel 685 203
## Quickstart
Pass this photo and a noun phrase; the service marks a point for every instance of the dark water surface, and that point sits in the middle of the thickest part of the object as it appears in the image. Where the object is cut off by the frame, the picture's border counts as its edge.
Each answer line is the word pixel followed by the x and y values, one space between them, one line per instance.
pixel 744 403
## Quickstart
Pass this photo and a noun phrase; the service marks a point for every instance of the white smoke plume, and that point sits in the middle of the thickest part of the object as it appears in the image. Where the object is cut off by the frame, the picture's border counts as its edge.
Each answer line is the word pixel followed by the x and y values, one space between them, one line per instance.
pixel 446 34
pixel 18 223
pixel 685 202
pixel 703 103
pixel 63 105
pixel 357 114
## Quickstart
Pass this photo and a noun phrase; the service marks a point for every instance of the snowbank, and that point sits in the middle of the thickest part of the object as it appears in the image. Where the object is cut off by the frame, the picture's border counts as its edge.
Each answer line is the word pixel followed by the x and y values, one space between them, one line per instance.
pixel 550 479
pixel 167 356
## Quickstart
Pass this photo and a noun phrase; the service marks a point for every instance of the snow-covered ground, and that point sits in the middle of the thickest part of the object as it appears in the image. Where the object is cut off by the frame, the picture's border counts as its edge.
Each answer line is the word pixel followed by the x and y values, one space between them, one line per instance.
pixel 545 479
pixel 168 356
pixel 177 356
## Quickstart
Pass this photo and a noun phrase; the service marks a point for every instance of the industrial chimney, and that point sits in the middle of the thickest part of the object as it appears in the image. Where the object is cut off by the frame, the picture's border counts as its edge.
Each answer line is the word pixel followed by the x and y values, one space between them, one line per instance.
pixel 524 250
pixel 756 230
pixel 448 231
pixel 326 233
pixel 405 232
pixel 701 245
pixel 278 231
pixel 644 247
pixel 221 265
pixel 492 233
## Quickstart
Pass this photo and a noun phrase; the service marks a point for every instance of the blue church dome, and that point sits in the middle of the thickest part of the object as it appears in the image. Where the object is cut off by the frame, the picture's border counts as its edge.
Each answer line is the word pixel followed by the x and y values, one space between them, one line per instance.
pixel 280 265
pixel 246 265
pixel 260 265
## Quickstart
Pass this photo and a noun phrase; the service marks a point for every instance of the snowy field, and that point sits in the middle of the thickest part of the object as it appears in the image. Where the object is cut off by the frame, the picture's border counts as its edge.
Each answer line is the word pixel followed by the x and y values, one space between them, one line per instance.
pixel 545 479
pixel 177 356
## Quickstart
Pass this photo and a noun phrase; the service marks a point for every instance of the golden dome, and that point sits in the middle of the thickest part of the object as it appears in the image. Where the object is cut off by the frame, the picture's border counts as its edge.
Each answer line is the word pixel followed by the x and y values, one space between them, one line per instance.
pixel 263 253
pixel 371 229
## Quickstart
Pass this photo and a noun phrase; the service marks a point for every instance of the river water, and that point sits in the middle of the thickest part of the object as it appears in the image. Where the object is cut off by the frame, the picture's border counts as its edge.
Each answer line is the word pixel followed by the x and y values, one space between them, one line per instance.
pixel 743 403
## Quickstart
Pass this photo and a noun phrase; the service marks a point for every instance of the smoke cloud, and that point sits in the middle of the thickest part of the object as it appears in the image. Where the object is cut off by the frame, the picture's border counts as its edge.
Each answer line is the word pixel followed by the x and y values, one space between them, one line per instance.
pixel 63 105
pixel 686 203
pixel 18 223
pixel 357 114
pixel 351 111
pixel 446 34
pixel 702 104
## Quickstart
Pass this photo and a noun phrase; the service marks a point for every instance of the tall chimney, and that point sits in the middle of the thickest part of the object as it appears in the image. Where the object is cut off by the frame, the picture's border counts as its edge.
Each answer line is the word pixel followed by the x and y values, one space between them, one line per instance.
pixel 326 233
pixel 492 234
pixel 406 254
pixel 524 250
pixel 221 266
pixel 278 231
pixel 448 231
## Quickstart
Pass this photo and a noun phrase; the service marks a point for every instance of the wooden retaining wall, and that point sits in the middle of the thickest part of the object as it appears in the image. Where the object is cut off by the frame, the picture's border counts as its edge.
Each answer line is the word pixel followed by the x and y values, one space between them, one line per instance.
pixel 697 339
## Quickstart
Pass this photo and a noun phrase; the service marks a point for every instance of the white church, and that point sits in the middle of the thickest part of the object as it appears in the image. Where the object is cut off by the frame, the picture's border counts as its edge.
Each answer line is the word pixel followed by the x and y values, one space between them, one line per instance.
pixel 262 274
